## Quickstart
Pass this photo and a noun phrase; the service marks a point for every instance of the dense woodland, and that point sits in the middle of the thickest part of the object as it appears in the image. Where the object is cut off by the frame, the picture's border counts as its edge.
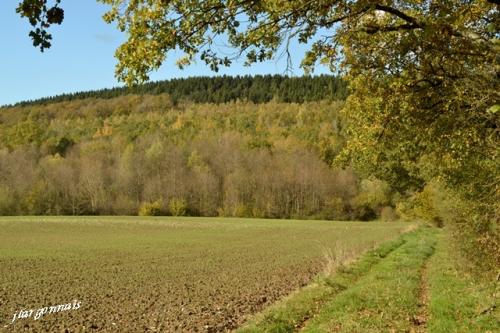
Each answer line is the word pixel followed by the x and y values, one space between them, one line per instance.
pixel 147 154
pixel 223 89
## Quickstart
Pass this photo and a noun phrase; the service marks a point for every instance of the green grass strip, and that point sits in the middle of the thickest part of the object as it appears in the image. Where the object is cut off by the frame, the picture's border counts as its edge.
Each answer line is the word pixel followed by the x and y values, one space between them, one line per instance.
pixel 290 314
pixel 459 303
pixel 384 300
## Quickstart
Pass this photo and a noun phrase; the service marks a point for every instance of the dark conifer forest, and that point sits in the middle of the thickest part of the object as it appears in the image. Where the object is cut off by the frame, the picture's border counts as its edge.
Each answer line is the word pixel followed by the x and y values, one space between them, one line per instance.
pixel 222 89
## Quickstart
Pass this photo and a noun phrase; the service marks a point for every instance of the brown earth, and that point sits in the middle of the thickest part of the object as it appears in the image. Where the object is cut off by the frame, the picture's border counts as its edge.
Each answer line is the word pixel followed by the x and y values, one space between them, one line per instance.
pixel 201 276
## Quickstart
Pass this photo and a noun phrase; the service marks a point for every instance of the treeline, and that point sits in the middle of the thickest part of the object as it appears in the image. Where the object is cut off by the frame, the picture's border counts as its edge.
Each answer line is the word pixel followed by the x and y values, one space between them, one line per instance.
pixel 215 177
pixel 146 155
pixel 223 89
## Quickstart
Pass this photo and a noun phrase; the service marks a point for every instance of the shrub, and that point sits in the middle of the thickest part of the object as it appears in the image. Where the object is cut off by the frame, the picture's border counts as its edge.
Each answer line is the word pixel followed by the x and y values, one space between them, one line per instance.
pixel 150 208
pixel 177 206
pixel 388 214
pixel 475 230
pixel 335 209
pixel 373 195
pixel 404 209
pixel 364 213
pixel 222 212
pixel 431 204
pixel 241 210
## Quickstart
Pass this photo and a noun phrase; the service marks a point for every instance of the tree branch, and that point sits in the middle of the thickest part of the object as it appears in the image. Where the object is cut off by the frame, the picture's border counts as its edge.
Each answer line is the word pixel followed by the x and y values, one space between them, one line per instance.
pixel 374 29
pixel 399 14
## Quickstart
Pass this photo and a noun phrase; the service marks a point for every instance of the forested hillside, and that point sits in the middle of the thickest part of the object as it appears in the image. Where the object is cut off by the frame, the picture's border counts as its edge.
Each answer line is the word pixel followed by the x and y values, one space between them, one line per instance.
pixel 147 154
pixel 153 154
pixel 222 89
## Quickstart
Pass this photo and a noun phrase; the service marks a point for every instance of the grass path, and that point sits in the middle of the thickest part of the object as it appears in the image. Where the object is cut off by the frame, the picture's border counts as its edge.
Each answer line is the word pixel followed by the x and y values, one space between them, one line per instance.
pixel 411 284
pixel 422 316
pixel 293 313
pixel 387 298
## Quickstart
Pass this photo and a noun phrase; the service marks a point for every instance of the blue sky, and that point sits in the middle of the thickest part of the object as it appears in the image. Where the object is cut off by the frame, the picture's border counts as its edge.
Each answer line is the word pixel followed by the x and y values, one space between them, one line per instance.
pixel 82 56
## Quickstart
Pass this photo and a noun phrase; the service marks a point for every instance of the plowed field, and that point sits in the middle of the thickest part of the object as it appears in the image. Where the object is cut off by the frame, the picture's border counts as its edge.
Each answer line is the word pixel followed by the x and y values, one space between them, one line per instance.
pixel 163 274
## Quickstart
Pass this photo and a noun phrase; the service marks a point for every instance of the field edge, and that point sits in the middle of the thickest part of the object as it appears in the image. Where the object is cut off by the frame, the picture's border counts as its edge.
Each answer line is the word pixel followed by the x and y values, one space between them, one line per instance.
pixel 291 313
